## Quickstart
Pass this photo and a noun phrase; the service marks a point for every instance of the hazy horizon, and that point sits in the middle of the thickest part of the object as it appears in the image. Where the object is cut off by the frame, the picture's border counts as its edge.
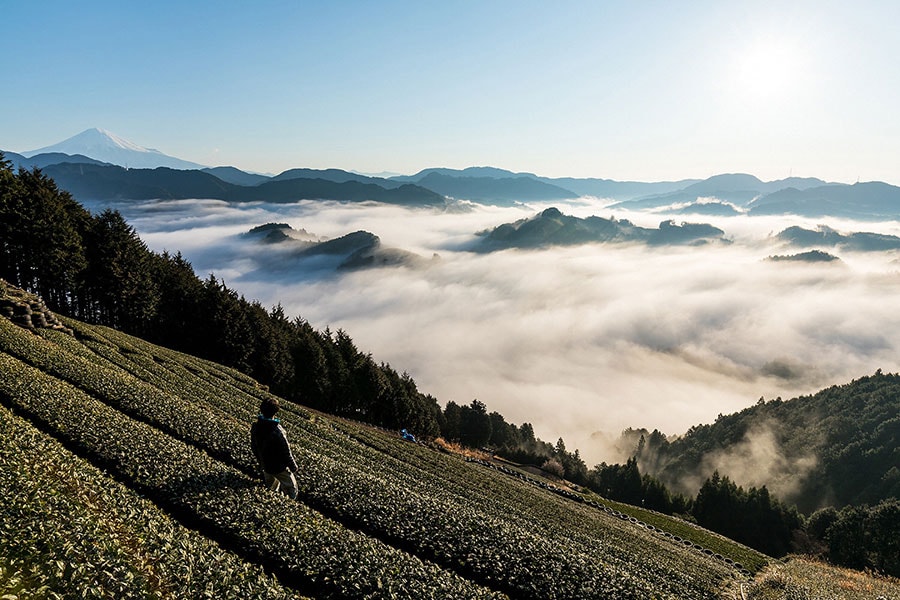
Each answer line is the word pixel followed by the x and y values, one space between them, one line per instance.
pixel 623 91
pixel 581 341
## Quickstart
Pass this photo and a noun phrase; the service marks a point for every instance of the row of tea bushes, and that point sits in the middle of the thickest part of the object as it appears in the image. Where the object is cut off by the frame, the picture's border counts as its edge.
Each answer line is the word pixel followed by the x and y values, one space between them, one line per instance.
pixel 307 551
pixel 122 391
pixel 521 507
pixel 69 531
pixel 689 542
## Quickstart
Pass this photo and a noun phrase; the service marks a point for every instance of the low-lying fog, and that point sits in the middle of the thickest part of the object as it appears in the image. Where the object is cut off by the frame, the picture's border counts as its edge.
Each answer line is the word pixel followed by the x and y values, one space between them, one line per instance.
pixel 575 340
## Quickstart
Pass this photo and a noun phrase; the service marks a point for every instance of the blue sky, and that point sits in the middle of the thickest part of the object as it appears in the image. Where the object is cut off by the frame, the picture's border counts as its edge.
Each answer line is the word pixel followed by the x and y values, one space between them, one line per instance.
pixel 620 90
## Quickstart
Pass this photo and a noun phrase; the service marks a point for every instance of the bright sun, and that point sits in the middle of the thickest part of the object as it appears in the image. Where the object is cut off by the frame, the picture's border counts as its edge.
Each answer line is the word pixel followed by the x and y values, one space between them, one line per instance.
pixel 768 67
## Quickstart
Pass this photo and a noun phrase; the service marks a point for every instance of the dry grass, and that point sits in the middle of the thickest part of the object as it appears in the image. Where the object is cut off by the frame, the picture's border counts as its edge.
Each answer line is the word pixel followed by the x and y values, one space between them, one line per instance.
pixel 455 448
pixel 801 578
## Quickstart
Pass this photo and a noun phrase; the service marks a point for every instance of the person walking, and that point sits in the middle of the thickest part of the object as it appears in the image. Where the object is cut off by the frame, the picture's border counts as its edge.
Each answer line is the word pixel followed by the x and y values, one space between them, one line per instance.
pixel 269 442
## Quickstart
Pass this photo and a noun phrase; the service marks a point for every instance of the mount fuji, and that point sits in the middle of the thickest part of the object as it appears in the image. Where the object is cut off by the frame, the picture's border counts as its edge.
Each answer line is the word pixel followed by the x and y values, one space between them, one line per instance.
pixel 105 146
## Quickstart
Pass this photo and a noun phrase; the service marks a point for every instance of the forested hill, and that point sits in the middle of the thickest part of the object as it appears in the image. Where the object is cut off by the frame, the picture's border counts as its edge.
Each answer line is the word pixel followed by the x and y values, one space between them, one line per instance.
pixel 838 447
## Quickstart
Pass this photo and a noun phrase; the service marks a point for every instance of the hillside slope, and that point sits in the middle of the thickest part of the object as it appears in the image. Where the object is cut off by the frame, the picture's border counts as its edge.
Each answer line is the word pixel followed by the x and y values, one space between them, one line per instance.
pixel 376 517
pixel 837 447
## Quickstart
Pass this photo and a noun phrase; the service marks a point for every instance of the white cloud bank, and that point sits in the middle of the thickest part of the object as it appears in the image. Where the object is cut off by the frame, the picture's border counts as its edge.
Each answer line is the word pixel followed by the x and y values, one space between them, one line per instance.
pixel 574 340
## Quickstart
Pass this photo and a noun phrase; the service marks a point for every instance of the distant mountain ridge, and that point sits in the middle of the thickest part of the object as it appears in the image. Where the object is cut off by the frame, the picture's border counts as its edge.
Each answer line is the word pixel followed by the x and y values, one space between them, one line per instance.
pixel 489 189
pixel 105 146
pixel 870 200
pixel 46 159
pixel 236 176
pixel 92 182
pixel 562 188
pixel 826 236
pixel 337 176
pixel 738 188
pixel 725 194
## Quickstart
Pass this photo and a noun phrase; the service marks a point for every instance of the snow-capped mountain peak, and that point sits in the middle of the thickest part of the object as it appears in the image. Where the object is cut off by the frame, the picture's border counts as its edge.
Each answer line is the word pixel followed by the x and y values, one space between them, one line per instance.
pixel 106 146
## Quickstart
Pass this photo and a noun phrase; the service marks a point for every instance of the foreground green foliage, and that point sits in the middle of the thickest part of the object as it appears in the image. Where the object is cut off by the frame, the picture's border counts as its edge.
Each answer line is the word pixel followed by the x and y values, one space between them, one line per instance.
pixel 377 517
pixel 69 530
pixel 860 537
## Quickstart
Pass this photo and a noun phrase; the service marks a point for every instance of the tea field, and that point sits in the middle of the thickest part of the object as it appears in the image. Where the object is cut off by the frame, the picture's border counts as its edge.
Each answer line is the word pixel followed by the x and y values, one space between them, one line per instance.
pixel 126 472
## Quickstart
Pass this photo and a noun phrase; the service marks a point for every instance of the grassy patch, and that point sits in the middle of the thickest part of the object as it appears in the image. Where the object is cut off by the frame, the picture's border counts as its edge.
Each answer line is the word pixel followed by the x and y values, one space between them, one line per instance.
pixel 800 578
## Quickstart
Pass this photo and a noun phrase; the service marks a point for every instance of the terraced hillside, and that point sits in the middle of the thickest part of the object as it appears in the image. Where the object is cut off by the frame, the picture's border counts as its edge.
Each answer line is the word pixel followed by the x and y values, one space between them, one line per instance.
pixel 126 471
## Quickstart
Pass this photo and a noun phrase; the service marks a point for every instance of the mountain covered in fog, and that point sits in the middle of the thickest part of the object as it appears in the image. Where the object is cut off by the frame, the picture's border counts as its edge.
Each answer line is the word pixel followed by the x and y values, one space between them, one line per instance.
pixel 299 250
pixel 809 197
pixel 552 228
pixel 872 200
pixel 826 236
pixel 736 188
pixel 812 256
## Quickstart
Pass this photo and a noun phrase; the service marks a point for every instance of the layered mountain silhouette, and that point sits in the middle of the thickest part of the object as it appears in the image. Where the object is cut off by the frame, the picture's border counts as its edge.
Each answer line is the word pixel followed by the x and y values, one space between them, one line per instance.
pixel 41 161
pixel 236 176
pixel 337 176
pixel 552 228
pixel 872 200
pixel 736 188
pixel 111 168
pixel 493 184
pixel 91 182
pixel 809 197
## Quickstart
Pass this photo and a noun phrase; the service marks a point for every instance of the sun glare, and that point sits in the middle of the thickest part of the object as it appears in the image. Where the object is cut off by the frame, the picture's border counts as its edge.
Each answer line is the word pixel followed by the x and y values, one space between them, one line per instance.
pixel 768 68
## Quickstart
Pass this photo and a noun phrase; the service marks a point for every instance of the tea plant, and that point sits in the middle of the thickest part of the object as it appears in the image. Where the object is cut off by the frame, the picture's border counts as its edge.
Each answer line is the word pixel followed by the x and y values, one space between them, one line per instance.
pixel 70 531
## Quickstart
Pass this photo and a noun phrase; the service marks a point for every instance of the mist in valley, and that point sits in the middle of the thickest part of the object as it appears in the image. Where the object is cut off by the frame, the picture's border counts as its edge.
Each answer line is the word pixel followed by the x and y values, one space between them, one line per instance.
pixel 580 341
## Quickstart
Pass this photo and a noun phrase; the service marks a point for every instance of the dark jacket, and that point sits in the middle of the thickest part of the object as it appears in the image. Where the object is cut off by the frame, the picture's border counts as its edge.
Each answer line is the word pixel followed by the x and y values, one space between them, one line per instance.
pixel 270 446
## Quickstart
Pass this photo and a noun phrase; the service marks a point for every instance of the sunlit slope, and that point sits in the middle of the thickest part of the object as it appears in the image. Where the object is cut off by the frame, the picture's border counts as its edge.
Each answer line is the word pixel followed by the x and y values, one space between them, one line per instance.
pixel 70 528
pixel 377 516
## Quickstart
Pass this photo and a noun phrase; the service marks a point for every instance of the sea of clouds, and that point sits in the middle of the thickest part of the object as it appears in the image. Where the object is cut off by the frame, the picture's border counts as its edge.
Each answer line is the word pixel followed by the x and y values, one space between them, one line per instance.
pixel 580 341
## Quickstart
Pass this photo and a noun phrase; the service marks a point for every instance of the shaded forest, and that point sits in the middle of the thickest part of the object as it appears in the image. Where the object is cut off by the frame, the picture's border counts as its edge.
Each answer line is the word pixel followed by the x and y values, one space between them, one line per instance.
pixel 837 447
